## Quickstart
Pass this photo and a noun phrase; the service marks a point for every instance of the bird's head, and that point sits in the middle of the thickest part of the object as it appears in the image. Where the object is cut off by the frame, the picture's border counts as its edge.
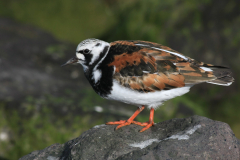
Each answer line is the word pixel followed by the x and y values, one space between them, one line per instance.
pixel 89 52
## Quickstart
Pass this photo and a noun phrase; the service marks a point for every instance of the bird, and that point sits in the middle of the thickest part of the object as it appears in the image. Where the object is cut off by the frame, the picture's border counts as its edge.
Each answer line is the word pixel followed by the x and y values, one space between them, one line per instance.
pixel 142 73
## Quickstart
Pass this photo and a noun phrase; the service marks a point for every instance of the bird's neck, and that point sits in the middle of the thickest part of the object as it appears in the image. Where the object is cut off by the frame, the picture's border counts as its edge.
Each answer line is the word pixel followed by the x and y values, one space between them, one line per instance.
pixel 104 74
pixel 100 74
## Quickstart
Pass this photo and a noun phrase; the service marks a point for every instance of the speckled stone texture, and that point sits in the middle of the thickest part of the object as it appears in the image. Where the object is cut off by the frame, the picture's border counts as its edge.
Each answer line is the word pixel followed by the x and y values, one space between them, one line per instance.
pixel 193 138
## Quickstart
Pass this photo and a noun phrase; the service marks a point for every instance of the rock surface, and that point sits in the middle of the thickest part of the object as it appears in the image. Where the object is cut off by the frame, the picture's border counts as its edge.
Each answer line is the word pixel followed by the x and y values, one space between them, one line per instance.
pixel 190 138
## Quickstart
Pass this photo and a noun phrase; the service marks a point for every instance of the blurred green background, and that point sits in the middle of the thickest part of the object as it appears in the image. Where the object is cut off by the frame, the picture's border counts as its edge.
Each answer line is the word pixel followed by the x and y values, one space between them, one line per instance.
pixel 206 30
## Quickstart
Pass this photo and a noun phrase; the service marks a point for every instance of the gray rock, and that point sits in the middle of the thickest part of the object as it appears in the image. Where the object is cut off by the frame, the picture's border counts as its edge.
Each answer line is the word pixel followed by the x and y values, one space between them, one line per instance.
pixel 191 138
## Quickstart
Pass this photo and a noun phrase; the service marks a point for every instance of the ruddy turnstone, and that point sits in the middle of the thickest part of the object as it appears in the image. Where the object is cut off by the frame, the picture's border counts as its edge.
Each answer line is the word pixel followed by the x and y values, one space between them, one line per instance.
pixel 142 73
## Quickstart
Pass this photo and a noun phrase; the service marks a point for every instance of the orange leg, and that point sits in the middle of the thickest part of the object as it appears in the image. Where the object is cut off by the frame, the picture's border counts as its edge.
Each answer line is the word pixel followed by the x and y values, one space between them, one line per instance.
pixel 130 120
pixel 148 124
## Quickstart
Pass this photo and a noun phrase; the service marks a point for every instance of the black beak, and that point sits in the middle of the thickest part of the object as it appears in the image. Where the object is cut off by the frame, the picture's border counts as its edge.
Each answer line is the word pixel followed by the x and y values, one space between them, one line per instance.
pixel 71 61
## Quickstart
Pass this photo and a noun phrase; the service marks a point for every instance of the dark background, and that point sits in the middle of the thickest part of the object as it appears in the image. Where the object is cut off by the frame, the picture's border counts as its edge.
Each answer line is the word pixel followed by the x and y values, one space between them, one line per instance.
pixel 42 103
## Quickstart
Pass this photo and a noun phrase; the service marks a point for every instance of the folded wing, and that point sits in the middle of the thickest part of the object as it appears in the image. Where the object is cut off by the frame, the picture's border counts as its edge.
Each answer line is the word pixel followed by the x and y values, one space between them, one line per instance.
pixel 148 67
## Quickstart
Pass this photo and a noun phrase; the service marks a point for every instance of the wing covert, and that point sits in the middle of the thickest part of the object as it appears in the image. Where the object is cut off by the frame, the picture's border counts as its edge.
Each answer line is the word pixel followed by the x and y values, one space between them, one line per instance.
pixel 149 67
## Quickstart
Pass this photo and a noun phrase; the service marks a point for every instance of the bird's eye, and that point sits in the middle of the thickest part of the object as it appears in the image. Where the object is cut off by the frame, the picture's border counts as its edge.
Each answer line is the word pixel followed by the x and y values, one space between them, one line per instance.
pixel 86 51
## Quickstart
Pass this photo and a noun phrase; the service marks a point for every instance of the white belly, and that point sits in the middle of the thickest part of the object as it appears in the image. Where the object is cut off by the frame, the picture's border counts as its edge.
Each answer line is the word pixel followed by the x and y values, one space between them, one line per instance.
pixel 151 99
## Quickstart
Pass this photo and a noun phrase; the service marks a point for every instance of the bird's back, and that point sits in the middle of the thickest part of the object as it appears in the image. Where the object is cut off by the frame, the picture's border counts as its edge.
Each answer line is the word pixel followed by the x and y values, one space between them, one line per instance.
pixel 149 67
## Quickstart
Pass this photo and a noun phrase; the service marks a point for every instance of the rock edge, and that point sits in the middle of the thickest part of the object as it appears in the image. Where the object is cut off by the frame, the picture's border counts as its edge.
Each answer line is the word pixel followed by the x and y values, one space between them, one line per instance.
pixel 195 137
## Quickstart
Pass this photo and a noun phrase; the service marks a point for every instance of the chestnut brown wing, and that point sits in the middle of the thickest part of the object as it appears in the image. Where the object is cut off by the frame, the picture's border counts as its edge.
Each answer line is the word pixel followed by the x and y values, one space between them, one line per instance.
pixel 148 67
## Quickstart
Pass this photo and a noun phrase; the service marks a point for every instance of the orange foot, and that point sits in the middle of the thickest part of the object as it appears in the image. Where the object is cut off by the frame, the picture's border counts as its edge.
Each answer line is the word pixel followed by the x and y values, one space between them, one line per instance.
pixel 130 120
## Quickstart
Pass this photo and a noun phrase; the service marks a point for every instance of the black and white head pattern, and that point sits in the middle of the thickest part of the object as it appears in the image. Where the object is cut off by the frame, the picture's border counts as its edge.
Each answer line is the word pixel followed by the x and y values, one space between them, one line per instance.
pixel 89 51
pixel 90 54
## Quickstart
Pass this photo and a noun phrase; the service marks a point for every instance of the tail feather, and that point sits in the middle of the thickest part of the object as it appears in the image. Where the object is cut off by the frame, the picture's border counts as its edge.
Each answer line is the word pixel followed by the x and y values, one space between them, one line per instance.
pixel 223 75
